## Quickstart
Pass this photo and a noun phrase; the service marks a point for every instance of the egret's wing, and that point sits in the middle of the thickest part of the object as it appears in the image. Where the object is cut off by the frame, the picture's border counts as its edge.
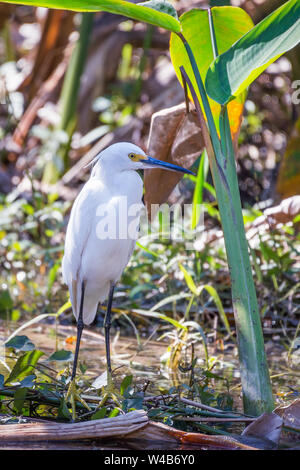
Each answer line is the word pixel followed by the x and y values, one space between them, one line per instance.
pixel 78 231
pixel 131 249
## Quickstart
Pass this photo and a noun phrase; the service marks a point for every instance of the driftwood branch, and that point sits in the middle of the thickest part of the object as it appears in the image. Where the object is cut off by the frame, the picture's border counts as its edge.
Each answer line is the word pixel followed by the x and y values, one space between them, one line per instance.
pixel 99 428
pixel 132 428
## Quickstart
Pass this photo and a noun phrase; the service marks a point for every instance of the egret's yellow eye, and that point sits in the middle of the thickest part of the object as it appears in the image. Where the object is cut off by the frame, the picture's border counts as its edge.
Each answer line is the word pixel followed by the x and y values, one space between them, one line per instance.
pixel 135 157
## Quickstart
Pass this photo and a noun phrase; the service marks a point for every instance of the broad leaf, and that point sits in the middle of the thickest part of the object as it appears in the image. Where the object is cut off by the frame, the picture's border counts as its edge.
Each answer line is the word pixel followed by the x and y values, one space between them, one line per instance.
pixel 232 72
pixel 160 5
pixel 100 414
pixel 20 343
pixel 19 398
pixel 175 138
pixel 230 23
pixel 24 366
pixel 154 14
pixel 62 355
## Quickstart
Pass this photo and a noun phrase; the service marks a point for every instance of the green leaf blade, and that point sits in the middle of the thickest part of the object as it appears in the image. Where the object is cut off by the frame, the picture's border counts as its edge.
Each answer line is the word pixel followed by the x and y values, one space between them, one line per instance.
pixel 234 70
pixel 119 7
pixel 230 24
pixel 24 366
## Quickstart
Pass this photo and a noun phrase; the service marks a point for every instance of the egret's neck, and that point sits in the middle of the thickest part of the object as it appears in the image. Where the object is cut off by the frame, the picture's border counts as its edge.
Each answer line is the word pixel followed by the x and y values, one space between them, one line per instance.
pixel 102 172
pixel 117 180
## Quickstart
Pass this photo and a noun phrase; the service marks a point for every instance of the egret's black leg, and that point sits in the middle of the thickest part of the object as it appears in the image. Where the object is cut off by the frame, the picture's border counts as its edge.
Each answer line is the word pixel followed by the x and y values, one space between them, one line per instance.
pixel 80 326
pixel 107 324
pixel 72 387
pixel 109 390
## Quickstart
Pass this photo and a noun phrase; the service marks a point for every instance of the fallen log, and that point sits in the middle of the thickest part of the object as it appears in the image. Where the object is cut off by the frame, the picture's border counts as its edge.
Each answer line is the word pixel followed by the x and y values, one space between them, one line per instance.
pixel 98 428
pixel 132 428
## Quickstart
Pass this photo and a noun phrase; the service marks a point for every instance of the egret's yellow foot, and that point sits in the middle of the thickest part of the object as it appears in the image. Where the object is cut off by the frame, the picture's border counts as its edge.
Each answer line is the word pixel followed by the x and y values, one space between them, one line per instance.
pixel 110 391
pixel 72 396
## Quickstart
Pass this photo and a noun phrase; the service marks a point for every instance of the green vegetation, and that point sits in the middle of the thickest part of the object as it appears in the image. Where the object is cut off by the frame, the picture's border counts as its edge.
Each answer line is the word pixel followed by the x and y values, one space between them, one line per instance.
pixel 200 299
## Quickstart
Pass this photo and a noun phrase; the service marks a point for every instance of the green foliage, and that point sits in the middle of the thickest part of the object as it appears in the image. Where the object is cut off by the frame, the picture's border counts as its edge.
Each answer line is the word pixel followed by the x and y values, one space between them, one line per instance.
pixel 100 414
pixel 162 6
pixel 19 399
pixel 198 191
pixel 39 220
pixel 126 382
pixel 20 343
pixel 234 70
pixel 63 410
pixel 230 24
pixel 61 356
pixel 31 250
pixel 157 13
pixel 6 302
pixel 24 366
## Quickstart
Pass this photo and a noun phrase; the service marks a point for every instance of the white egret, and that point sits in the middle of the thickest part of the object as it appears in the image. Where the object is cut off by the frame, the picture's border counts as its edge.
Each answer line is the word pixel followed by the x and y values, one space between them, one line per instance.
pixel 93 263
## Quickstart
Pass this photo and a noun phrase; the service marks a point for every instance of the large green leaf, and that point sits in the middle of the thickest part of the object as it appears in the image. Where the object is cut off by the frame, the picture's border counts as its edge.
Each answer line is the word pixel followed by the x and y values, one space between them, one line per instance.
pixel 230 23
pixel 232 72
pixel 158 13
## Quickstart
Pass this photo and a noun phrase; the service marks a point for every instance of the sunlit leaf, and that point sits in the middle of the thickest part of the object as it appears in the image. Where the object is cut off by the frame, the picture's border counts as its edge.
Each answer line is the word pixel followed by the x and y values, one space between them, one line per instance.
pixel 189 280
pixel 137 12
pixel 150 313
pixel 214 294
pixel 114 413
pixel 198 191
pixel 233 71
pixel 230 23
pixel 24 366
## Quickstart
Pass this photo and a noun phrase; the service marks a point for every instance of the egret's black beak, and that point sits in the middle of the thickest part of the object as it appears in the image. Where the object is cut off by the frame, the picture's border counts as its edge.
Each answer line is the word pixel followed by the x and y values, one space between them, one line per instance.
pixel 154 163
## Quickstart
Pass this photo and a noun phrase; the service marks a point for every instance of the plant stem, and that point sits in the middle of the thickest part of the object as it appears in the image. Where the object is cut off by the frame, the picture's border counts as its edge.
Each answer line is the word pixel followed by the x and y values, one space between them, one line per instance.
pixel 257 393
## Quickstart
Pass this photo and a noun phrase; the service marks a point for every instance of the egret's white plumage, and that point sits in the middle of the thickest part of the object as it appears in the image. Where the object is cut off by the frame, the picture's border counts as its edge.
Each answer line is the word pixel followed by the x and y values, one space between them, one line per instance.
pixel 100 262
pixel 94 260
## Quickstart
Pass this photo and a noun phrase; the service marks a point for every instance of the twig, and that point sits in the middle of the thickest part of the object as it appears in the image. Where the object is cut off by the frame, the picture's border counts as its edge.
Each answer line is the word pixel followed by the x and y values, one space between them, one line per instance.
pixel 221 420
pixel 200 405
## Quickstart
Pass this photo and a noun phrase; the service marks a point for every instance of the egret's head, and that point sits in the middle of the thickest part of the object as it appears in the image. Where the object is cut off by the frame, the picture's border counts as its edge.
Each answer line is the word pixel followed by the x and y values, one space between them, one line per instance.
pixel 126 156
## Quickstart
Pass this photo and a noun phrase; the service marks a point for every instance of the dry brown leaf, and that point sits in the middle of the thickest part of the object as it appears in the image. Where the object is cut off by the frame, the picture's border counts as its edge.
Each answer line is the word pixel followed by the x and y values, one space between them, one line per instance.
pixel 175 137
pixel 267 426
pixel 290 414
